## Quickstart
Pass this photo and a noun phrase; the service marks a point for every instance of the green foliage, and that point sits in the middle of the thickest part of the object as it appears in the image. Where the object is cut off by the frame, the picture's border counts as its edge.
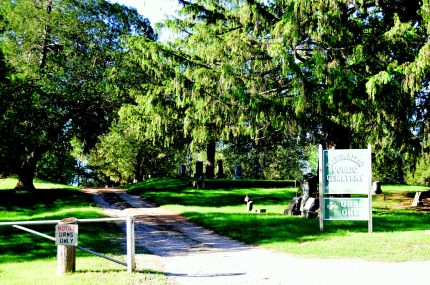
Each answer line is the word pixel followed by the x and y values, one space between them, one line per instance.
pixel 66 63
pixel 208 78
pixel 421 174
pixel 267 159
pixel 332 72
pixel 335 73
pixel 57 166
pixel 124 154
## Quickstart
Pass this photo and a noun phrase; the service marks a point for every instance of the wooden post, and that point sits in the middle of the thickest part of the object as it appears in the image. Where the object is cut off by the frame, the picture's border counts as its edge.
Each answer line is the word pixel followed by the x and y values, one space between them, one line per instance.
pixel 66 254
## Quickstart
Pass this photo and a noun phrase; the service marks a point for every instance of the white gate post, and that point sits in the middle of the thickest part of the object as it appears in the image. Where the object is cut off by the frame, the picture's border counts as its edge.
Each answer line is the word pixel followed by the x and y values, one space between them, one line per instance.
pixel 321 186
pixel 131 262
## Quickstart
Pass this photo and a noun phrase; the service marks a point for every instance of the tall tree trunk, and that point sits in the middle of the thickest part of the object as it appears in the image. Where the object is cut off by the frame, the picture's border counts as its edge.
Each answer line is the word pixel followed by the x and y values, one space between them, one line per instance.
pixel 210 156
pixel 336 136
pixel 140 166
pixel 46 40
pixel 27 172
pixel 400 169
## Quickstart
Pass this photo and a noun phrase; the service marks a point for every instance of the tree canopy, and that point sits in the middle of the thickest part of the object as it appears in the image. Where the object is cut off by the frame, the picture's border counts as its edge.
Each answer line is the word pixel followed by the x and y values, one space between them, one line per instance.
pixel 67 75
pixel 274 74
pixel 340 73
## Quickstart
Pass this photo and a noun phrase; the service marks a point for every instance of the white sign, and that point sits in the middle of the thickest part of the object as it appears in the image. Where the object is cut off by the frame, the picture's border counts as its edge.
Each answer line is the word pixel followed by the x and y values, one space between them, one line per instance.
pixel 347 171
pixel 66 234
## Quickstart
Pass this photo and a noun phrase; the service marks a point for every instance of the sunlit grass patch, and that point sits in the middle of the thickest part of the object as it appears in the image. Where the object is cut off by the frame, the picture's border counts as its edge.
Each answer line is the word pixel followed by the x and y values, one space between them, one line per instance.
pixel 10 183
pixel 30 259
pixel 398 228
pixel 399 246
pixel 89 270
pixel 398 188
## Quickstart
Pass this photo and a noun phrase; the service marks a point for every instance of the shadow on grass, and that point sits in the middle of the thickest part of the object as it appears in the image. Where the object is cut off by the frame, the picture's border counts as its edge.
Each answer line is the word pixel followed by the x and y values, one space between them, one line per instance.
pixel 41 200
pixel 261 229
pixel 268 228
pixel 216 198
pixel 51 204
pixel 142 271
pixel 167 184
pixel 19 246
pixel 400 220
pixel 258 229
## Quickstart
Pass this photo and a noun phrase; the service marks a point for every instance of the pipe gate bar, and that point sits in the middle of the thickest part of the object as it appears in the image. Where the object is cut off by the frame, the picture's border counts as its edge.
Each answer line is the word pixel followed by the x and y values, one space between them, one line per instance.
pixel 130 236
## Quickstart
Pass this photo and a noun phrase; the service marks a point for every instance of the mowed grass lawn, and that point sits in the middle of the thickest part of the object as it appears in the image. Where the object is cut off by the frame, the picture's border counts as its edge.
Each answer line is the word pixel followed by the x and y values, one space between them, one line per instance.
pixel 399 230
pixel 29 259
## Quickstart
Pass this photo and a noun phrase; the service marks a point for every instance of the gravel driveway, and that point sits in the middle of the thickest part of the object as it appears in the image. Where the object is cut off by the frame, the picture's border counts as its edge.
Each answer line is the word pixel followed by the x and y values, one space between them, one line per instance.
pixel 190 254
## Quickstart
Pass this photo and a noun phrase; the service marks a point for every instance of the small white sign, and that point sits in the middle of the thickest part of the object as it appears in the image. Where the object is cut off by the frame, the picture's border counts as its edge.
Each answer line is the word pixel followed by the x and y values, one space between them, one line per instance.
pixel 347 171
pixel 66 234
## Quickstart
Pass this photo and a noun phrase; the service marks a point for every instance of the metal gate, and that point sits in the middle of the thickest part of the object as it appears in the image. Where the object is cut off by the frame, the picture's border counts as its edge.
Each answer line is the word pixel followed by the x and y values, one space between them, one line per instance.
pixel 130 236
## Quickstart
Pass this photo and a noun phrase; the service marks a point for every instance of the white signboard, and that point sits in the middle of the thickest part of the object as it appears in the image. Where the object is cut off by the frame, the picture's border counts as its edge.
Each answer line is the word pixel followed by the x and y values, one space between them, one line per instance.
pixel 347 171
pixel 66 234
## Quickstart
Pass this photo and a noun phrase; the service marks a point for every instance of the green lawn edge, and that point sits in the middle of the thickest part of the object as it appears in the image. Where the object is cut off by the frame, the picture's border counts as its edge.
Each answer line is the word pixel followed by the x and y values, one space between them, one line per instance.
pixel 29 259
pixel 399 232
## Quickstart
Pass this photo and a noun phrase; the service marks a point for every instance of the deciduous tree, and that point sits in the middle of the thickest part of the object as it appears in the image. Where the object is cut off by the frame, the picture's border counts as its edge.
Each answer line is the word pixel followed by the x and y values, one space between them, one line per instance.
pixel 67 76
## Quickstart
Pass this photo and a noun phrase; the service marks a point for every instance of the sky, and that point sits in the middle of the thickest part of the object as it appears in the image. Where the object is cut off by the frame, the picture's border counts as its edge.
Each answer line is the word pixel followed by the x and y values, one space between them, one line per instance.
pixel 154 10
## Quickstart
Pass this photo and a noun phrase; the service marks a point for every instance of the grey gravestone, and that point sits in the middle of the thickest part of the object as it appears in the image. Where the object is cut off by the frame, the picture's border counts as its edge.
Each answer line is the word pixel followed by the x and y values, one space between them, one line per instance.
pixel 249 205
pixel 183 170
pixel 309 203
pixel 310 208
pixel 238 171
pixel 417 200
pixel 199 176
pixel 209 171
pixel 293 207
pixel 308 189
pixel 200 182
pixel 220 172
pixel 377 187
pixel 199 169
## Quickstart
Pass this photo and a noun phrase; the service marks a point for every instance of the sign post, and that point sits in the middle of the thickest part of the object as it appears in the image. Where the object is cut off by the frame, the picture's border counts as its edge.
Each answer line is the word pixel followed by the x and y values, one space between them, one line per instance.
pixel 321 183
pixel 345 172
pixel 66 238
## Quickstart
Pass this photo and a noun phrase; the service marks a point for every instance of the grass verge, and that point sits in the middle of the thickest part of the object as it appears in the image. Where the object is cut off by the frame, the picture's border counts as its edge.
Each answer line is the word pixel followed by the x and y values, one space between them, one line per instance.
pixel 399 230
pixel 29 259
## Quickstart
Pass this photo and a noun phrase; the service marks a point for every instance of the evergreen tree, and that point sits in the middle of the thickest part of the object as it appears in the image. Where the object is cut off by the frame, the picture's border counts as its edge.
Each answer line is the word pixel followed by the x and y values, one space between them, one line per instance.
pixel 344 73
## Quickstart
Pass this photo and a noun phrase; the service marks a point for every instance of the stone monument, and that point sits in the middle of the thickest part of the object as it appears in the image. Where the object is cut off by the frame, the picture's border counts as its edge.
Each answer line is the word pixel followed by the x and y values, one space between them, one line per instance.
pixel 220 169
pixel 238 171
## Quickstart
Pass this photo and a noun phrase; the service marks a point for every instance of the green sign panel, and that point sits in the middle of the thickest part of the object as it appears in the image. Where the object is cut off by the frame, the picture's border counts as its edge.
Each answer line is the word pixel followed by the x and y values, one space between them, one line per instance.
pixel 346 209
pixel 346 171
